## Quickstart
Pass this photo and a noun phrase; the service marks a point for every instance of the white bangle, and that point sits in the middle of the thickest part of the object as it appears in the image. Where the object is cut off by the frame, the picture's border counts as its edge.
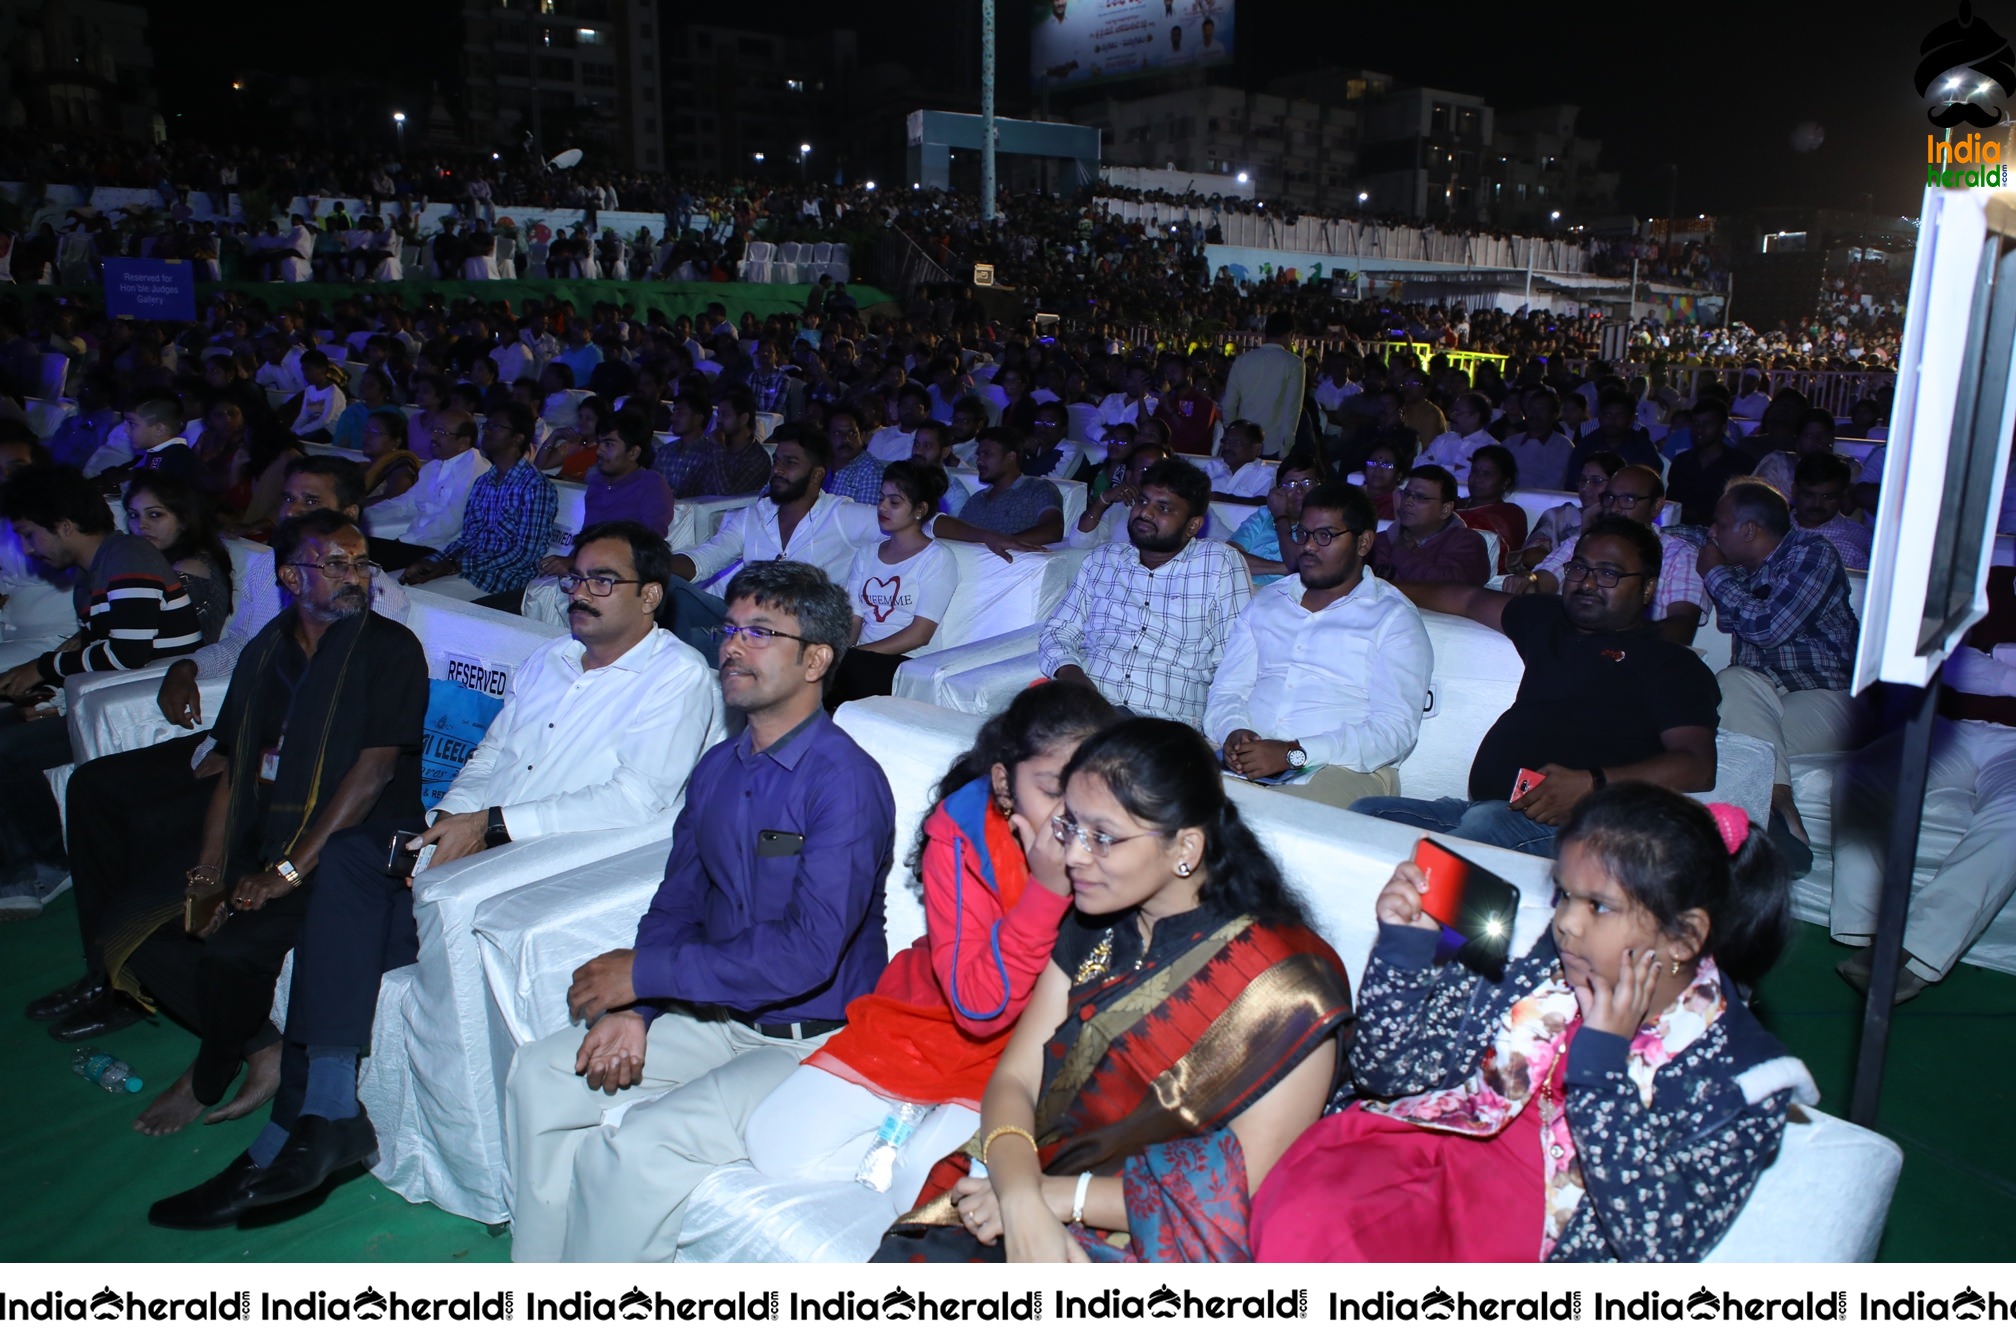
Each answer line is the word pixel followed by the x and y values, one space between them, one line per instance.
pixel 1078 1197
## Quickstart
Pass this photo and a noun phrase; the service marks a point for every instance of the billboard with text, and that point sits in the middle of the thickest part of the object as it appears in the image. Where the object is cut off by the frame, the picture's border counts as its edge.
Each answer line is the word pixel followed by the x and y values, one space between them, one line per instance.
pixel 1078 42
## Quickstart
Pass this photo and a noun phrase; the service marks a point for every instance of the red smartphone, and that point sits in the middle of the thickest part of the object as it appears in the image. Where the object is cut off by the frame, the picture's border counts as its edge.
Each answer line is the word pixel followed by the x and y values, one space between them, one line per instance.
pixel 1474 906
pixel 1528 780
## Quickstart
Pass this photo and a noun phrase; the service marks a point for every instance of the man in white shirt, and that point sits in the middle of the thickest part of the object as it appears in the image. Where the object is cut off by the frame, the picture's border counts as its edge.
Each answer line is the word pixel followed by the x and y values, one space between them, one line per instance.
pixel 1146 619
pixel 599 731
pixel 1265 385
pixel 1133 404
pixel 1326 672
pixel 1468 416
pixel 1752 401
pixel 1238 475
pixel 428 516
pixel 892 443
pixel 796 520
pixel 514 359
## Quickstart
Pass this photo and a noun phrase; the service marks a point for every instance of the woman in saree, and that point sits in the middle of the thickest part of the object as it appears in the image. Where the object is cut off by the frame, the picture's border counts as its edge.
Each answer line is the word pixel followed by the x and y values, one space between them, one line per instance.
pixel 1186 1031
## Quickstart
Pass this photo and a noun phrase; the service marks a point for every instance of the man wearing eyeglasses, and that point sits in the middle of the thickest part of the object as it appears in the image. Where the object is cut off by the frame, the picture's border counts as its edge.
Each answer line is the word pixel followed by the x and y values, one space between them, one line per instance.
pixel 1603 697
pixel 1427 542
pixel 429 515
pixel 1680 599
pixel 320 740
pixel 599 731
pixel 767 924
pixel 1326 672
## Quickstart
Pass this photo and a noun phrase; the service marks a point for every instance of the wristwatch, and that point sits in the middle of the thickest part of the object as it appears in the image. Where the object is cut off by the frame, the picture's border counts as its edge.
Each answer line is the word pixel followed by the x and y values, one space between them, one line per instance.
pixel 496 833
pixel 1297 758
pixel 288 872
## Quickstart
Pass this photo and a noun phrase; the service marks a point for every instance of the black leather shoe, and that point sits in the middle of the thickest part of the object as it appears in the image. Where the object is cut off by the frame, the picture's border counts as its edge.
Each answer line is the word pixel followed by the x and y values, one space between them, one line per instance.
pixel 215 1203
pixel 109 1012
pixel 60 1003
pixel 317 1149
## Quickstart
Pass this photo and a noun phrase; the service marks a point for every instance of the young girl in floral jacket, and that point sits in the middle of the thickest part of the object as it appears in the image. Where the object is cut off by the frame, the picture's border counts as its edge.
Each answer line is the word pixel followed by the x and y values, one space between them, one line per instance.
pixel 1610 1098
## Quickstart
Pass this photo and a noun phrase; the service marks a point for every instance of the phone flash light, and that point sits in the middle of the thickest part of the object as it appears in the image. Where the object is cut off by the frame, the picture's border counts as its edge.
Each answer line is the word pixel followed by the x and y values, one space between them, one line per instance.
pixel 1494 928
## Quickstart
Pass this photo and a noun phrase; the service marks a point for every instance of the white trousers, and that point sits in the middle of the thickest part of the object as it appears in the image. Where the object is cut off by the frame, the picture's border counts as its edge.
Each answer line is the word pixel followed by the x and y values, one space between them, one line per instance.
pixel 586 1185
pixel 1795 723
pixel 1956 894
pixel 817 1127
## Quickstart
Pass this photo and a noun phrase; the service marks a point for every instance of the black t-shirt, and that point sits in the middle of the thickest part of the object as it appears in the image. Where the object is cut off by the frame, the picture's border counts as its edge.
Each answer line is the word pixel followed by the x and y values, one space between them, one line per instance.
pixel 1588 700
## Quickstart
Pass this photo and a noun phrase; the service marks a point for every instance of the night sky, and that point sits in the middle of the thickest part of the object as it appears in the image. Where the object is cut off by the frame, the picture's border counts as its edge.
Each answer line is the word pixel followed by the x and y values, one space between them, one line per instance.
pixel 1716 87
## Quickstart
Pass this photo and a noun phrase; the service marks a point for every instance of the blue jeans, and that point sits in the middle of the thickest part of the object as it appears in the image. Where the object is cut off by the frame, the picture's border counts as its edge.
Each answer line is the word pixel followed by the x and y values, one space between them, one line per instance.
pixel 1488 823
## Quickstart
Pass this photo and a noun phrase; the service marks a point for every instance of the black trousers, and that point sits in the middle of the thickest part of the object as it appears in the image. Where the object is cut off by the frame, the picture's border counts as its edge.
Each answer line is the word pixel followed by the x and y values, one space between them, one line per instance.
pixel 393 555
pixel 136 826
pixel 511 600
pixel 860 675
pixel 358 924
pixel 30 827
pixel 221 987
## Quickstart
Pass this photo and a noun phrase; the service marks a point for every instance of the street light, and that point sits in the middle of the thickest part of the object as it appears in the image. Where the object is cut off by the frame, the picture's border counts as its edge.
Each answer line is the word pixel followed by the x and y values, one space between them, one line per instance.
pixel 1241 179
pixel 870 184
pixel 399 125
pixel 759 156
pixel 1364 196
pixel 804 151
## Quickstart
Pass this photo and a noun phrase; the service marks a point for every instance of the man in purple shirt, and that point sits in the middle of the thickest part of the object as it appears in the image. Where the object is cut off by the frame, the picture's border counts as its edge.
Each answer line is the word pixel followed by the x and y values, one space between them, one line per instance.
pixel 1427 542
pixel 767 924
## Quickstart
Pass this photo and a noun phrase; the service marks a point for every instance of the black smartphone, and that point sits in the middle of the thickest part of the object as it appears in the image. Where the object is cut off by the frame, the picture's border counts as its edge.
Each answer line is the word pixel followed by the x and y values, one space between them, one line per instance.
pixel 778 844
pixel 1475 907
pixel 399 860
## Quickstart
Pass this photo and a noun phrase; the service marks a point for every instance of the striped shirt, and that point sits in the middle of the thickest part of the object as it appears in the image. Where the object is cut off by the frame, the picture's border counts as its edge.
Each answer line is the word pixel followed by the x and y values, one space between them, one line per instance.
pixel 133 611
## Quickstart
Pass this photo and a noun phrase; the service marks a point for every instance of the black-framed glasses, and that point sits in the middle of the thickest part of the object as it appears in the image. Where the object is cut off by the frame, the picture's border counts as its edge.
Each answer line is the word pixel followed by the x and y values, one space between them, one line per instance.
pixel 598 585
pixel 1420 498
pixel 339 569
pixel 756 636
pixel 1624 501
pixel 1322 536
pixel 1606 576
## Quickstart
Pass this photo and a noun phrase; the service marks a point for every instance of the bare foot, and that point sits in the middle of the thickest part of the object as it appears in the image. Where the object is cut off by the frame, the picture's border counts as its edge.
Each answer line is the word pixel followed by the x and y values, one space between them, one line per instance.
pixel 262 1080
pixel 172 1109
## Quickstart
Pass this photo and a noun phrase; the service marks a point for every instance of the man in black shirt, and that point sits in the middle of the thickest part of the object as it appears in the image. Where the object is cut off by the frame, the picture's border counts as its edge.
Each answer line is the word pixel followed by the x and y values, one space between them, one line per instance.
pixel 1603 697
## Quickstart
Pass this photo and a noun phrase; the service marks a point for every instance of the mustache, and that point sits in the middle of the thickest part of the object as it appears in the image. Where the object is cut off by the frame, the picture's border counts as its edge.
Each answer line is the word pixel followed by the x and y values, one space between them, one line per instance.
pixel 1965 114
pixel 583 608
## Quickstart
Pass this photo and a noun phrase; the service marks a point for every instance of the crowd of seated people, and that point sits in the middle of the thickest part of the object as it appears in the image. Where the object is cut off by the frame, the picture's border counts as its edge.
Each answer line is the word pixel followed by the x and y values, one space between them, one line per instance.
pixel 758 1014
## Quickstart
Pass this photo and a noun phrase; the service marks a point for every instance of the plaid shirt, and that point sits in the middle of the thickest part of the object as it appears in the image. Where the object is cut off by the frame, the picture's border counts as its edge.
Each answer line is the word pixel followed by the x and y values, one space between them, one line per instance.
pixel 860 480
pixel 1150 639
pixel 507 527
pixel 1013 510
pixel 698 465
pixel 1789 618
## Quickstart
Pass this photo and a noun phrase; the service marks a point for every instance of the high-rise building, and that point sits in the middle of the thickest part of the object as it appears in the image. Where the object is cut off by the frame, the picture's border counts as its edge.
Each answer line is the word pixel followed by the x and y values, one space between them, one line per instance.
pixel 734 94
pixel 1298 152
pixel 569 74
pixel 1538 166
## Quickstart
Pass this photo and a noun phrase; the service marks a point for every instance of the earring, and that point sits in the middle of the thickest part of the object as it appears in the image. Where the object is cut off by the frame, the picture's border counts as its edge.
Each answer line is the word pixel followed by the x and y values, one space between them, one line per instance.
pixel 1676 965
pixel 1183 870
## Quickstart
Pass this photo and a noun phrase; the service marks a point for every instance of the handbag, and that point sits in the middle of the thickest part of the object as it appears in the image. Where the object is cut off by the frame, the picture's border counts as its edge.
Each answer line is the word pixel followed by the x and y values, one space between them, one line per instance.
pixel 200 900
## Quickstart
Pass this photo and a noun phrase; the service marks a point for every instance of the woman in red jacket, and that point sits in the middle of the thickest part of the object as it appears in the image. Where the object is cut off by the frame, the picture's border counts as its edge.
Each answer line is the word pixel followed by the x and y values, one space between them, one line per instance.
pixel 916 1054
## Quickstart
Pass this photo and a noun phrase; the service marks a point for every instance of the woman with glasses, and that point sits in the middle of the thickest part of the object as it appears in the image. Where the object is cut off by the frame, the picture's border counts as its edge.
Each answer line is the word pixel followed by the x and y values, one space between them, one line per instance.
pixel 1384 466
pixel 921 1047
pixel 1186 1031
pixel 1564 522
pixel 164 510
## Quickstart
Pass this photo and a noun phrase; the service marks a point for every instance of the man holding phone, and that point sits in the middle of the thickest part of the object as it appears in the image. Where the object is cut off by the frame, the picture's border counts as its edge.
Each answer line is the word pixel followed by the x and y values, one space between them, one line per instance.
pixel 767 924
pixel 1603 698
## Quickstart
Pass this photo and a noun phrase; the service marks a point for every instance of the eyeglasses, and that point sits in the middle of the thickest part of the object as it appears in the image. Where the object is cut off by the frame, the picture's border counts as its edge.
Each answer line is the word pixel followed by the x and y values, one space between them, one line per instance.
pixel 1625 501
pixel 1096 843
pixel 1420 498
pixel 756 636
pixel 1606 577
pixel 1322 536
pixel 340 569
pixel 598 585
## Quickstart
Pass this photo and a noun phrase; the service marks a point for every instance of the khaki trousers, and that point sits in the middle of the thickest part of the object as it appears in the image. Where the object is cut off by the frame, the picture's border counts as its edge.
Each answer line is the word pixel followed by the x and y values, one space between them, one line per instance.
pixel 586 1186
pixel 1795 723
pixel 1338 787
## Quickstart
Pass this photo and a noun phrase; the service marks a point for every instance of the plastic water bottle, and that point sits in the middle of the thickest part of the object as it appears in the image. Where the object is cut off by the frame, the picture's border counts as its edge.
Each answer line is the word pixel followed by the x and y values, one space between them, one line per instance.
pixel 878 1164
pixel 108 1071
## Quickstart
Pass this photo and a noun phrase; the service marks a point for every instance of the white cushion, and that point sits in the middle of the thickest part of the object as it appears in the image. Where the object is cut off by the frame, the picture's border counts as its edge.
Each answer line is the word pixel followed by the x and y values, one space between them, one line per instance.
pixel 996 596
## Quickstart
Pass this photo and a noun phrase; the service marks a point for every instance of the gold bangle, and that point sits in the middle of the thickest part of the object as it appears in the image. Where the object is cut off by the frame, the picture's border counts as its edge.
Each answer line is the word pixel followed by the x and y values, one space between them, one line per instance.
pixel 987 1144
